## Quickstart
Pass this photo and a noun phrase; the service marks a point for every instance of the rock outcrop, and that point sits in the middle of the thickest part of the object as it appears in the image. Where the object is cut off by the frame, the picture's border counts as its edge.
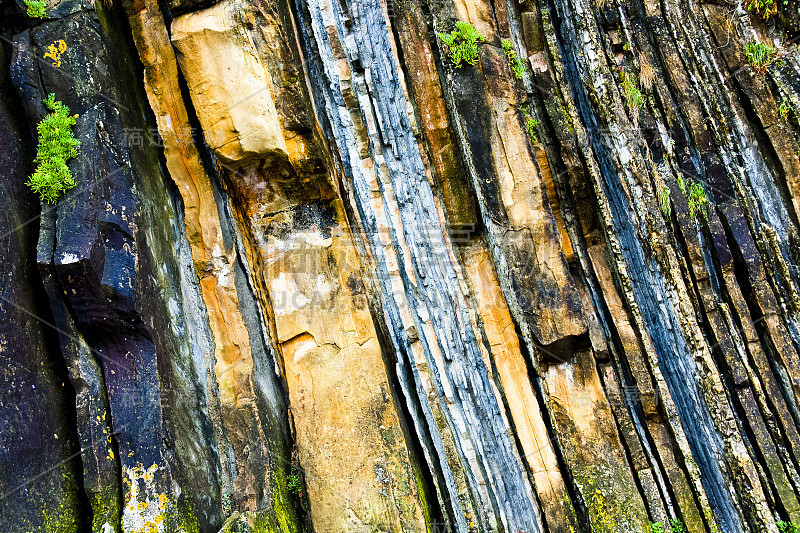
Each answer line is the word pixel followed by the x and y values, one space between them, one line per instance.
pixel 315 276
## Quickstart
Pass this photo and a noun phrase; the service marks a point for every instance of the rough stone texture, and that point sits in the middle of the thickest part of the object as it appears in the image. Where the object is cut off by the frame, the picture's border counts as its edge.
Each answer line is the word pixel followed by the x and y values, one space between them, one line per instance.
pixel 350 441
pixel 314 277
pixel 38 437
pixel 523 405
pixel 87 254
pixel 246 402
pixel 228 84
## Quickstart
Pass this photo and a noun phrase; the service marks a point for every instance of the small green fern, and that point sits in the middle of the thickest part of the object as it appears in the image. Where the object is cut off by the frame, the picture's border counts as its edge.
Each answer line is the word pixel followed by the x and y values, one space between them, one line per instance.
pixel 36 8
pixel 677 526
pixel 294 484
pixel 788 527
pixel 516 64
pixel 56 145
pixel 633 95
pixel 462 43
pixel 697 199
pixel 665 200
pixel 765 8
pixel 759 55
pixel 530 125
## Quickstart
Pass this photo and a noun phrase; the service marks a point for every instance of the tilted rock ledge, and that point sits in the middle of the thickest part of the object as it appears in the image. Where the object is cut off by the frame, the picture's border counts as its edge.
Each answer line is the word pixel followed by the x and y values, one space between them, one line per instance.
pixel 315 276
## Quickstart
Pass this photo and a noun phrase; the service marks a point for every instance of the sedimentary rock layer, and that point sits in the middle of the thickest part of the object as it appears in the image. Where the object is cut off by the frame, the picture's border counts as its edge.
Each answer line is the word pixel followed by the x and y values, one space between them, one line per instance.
pixel 317 275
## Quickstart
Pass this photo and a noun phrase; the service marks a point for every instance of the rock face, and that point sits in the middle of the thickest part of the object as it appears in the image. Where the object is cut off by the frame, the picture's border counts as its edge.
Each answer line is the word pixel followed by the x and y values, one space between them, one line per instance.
pixel 228 84
pixel 316 277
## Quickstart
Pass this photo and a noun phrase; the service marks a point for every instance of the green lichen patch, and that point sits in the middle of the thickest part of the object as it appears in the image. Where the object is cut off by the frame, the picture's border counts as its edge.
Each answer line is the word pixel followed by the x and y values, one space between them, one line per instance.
pixel 288 503
pixel 255 522
pixel 612 503
pixel 61 515
pixel 105 511
pixel 601 516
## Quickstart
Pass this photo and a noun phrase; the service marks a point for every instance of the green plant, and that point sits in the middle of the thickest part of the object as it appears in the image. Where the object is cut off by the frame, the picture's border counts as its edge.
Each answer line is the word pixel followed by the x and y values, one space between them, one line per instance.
pixel 677 526
pixel 56 145
pixel 633 95
pixel 517 65
pixel 697 199
pixel 788 527
pixel 665 200
pixel 294 484
pixel 765 8
pixel 36 8
pixel 530 125
pixel 462 43
pixel 759 55
pixel 785 109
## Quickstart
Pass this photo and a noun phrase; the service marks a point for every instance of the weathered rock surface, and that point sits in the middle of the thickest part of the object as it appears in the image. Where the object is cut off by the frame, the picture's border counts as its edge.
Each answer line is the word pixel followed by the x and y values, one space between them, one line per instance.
pixel 315 277
pixel 38 437
pixel 228 84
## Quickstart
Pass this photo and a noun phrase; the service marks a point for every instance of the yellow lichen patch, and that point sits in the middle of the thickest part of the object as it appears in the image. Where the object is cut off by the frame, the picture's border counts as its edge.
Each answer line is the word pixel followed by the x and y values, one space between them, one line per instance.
pixel 61 516
pixel 599 514
pixel 145 507
pixel 55 50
